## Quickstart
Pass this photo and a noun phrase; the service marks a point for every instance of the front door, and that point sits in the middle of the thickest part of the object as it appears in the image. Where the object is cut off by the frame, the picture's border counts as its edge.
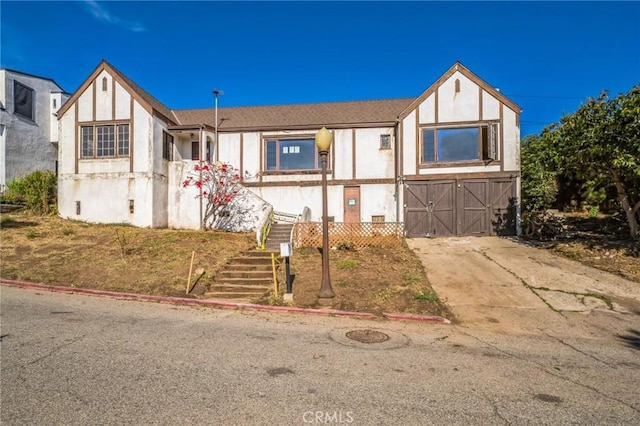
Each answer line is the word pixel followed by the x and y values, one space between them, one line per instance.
pixel 351 204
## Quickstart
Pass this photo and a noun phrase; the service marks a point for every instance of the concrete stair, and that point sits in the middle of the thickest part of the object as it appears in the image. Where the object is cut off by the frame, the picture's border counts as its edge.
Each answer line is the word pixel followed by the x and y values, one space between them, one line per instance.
pixel 244 278
pixel 280 233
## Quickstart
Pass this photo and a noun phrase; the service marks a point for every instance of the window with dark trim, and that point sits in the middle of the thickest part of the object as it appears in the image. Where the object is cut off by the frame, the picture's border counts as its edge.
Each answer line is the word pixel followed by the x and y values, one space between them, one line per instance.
pixel 23 100
pixel 195 150
pixel 385 141
pixel 297 154
pixel 167 146
pixel 101 141
pixel 459 144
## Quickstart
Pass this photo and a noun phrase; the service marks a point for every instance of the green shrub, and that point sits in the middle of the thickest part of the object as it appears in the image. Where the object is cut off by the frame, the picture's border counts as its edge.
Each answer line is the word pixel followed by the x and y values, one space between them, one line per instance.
pixel 37 191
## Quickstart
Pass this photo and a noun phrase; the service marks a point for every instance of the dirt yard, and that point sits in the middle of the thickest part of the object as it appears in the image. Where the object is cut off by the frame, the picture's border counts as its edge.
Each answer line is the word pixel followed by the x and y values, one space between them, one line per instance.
pixel 156 261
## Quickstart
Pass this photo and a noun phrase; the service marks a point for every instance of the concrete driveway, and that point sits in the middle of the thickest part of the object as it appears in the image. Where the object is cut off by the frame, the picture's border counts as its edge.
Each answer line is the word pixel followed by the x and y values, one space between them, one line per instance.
pixel 504 285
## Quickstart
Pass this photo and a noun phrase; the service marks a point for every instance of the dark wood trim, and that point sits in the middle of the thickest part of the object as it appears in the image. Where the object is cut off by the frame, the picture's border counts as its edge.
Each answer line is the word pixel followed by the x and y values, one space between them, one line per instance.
pixel 132 127
pixel 436 103
pixel 480 106
pixel 501 120
pixel 331 159
pixel 263 160
pixel 474 163
pixel 241 153
pixel 400 148
pixel 353 153
pixel 103 122
pixel 418 142
pixel 113 98
pixel 474 175
pixel 451 124
pixel 310 127
pixel 94 99
pixel 77 127
pixel 345 182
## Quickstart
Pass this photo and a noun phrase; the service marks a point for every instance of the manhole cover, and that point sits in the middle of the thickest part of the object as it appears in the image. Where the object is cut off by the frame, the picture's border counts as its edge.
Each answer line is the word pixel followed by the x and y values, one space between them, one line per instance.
pixel 367 336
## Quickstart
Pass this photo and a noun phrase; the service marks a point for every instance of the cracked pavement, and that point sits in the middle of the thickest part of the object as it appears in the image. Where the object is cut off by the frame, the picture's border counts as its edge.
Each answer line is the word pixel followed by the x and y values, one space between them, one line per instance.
pixel 503 285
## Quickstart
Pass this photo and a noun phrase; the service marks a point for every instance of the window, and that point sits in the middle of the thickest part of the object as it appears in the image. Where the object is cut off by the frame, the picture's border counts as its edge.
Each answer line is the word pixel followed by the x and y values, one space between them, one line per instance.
pixel 23 100
pixel 167 146
pixel 123 140
pixel 101 141
pixel 385 141
pixel 195 150
pixel 291 154
pixel 459 144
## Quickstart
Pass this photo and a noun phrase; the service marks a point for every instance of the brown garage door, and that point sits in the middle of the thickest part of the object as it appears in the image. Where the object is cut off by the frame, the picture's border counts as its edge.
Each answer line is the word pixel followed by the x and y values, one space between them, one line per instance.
pixel 460 207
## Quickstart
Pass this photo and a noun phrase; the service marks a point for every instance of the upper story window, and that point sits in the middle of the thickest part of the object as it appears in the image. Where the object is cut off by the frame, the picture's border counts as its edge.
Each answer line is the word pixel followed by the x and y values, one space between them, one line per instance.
pixel 23 100
pixel 101 141
pixel 459 144
pixel 298 154
pixel 167 146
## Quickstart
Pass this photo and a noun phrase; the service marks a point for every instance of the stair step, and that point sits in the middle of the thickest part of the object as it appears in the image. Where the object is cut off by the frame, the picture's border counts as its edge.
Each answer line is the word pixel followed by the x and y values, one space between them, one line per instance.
pixel 258 253
pixel 244 281
pixel 250 261
pixel 237 296
pixel 264 266
pixel 238 288
pixel 232 273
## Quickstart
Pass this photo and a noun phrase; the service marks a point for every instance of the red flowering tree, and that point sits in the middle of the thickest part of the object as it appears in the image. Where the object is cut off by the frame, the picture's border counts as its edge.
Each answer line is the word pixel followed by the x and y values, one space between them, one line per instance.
pixel 219 184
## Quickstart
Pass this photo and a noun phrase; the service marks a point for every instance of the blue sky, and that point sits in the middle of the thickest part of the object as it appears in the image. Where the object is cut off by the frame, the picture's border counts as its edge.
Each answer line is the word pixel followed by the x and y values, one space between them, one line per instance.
pixel 546 56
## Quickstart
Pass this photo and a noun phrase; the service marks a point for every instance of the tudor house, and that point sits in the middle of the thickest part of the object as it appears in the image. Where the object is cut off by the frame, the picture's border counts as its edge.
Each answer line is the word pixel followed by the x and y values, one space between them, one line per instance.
pixel 445 163
pixel 28 125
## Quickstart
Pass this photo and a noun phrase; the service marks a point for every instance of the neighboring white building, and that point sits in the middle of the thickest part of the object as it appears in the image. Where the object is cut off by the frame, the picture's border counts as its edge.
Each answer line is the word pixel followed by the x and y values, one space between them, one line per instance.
pixel 444 163
pixel 28 125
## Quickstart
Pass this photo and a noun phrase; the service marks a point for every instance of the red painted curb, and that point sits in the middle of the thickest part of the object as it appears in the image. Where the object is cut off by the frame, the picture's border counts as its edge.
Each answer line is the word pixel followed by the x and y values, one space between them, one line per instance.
pixel 212 302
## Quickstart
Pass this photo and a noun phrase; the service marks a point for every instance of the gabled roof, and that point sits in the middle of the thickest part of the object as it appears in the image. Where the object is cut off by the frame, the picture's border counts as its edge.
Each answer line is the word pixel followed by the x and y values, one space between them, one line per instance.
pixel 350 114
pixel 288 117
pixel 471 76
pixel 141 95
pixel 35 76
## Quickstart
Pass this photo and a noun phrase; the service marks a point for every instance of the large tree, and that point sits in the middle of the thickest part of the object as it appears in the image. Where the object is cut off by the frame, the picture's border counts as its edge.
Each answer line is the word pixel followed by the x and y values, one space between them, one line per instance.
pixel 600 143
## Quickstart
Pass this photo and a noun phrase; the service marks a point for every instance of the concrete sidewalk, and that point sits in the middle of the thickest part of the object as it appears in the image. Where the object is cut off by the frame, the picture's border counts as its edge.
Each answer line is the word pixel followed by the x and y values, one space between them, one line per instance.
pixel 503 285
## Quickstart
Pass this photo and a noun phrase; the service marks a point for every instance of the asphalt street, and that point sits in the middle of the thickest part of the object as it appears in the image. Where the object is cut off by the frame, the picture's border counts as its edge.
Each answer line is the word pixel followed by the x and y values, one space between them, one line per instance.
pixel 83 360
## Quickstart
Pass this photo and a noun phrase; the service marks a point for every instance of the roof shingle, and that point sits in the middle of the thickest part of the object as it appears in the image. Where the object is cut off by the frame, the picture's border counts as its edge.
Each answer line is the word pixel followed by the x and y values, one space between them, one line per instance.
pixel 298 115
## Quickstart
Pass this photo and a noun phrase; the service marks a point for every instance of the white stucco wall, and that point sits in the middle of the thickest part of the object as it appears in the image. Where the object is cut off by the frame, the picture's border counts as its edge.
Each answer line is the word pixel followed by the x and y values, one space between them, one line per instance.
pixel 409 145
pixel 511 135
pixel 371 161
pixel 342 160
pixel 123 103
pixel 229 148
pixel 461 106
pixel 490 107
pixel 251 153
pixel 427 110
pixel 104 98
pixel 26 145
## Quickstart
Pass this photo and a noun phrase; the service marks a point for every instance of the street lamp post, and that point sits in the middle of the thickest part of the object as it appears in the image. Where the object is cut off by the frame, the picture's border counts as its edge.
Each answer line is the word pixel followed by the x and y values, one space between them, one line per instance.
pixel 324 138
pixel 216 93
